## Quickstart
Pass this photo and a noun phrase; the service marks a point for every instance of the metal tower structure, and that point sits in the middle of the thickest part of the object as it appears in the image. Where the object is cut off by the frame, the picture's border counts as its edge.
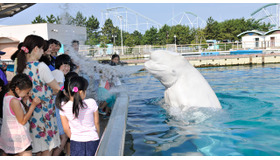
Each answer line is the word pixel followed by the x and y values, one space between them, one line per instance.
pixel 128 20
pixel 187 19
pixel 269 13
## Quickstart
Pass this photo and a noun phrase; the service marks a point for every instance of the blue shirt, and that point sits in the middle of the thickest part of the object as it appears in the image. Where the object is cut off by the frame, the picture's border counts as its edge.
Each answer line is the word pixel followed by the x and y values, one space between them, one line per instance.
pixel 3 77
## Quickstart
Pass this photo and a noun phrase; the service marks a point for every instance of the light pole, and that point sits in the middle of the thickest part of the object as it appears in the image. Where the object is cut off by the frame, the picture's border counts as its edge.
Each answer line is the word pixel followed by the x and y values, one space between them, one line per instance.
pixel 175 43
pixel 120 17
pixel 114 36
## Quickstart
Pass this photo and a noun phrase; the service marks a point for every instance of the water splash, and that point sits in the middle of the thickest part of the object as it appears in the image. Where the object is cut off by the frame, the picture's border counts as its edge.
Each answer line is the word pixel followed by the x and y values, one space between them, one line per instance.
pixel 89 68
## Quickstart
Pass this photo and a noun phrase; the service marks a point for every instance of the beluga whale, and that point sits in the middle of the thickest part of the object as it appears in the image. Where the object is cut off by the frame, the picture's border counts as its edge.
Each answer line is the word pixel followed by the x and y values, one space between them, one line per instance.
pixel 185 87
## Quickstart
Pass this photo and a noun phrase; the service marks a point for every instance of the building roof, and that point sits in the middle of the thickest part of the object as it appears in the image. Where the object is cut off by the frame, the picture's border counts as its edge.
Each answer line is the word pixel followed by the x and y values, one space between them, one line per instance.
pixel 252 31
pixel 268 32
pixel 10 9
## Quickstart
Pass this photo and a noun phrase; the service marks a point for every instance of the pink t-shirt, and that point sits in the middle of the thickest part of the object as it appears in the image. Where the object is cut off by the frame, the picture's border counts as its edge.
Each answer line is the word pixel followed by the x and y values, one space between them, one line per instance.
pixel 82 128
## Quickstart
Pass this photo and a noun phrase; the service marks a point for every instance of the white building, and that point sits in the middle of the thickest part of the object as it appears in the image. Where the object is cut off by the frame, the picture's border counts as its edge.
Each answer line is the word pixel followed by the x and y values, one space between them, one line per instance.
pixel 63 33
pixel 272 39
pixel 260 40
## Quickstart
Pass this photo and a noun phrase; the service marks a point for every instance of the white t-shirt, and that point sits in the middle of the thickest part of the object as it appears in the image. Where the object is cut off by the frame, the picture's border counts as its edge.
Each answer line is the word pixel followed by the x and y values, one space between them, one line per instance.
pixel 82 128
pixel 58 75
pixel 45 73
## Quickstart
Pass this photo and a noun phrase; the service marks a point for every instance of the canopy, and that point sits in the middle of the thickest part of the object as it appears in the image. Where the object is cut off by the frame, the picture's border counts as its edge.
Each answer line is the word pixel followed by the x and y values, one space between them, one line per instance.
pixel 10 9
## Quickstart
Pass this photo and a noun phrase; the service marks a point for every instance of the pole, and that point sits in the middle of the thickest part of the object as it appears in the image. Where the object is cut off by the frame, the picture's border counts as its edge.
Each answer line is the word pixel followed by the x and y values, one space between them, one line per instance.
pixel 120 17
pixel 114 36
pixel 175 43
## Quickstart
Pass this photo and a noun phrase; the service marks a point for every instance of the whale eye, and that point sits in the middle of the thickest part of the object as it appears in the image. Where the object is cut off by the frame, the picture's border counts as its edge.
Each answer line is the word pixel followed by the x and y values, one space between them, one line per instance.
pixel 173 72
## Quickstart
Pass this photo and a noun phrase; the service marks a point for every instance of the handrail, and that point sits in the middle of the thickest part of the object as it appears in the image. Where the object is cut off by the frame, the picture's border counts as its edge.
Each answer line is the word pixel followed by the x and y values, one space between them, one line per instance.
pixel 113 139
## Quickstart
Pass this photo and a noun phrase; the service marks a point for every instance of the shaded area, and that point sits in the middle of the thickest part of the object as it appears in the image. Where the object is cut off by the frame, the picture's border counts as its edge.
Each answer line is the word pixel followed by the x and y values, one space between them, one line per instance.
pixel 10 9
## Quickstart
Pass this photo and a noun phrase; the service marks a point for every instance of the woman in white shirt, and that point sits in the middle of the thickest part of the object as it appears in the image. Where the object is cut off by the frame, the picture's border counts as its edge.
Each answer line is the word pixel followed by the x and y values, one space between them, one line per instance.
pixel 43 130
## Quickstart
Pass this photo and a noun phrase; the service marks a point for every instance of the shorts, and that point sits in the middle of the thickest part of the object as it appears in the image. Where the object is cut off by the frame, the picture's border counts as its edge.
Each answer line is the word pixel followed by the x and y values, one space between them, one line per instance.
pixel 83 148
pixel 27 149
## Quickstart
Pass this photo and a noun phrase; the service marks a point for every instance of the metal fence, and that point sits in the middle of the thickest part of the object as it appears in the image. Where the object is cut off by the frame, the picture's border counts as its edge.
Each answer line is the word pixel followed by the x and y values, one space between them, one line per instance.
pixel 185 48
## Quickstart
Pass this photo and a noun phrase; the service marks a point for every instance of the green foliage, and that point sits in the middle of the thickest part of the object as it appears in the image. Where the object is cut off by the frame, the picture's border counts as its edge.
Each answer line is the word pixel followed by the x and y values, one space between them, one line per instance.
pixel 226 30
pixel 66 19
pixel 80 20
pixel 39 19
pixel 163 35
pixel 108 30
pixel 92 25
pixel 225 46
pixel 137 37
pixel 129 41
pixel 52 19
pixel 150 37
pixel 211 29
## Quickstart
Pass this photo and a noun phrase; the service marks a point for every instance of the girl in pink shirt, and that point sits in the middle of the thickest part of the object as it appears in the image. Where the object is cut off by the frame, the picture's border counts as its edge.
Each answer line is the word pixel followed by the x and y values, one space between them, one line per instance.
pixel 80 119
pixel 15 138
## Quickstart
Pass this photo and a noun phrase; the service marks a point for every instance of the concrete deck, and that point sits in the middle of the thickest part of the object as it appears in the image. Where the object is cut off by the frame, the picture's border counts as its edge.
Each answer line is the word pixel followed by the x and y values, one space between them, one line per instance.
pixel 224 60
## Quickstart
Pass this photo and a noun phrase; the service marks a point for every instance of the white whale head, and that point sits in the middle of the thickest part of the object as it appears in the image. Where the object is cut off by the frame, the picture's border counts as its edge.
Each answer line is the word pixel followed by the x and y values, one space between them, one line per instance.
pixel 160 65
pixel 185 86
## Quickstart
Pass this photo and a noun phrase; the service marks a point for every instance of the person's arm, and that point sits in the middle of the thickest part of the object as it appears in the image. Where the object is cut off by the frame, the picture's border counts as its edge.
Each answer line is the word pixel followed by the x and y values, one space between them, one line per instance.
pixel 96 122
pixel 65 124
pixel 54 85
pixel 16 107
pixel 47 77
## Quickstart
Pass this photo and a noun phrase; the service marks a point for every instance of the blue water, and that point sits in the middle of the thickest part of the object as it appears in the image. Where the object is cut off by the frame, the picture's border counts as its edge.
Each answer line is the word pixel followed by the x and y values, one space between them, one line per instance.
pixel 248 124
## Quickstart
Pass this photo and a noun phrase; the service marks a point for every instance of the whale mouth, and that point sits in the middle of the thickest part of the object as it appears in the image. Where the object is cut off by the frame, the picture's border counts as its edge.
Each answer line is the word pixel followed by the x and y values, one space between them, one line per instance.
pixel 154 67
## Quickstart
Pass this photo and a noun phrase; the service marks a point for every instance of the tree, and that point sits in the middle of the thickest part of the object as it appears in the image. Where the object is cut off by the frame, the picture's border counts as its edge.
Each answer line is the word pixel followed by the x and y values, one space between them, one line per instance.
pixel 150 37
pixel 163 34
pixel 80 20
pixel 211 29
pixel 108 30
pixel 129 40
pixel 39 19
pixel 92 25
pixel 198 36
pixel 66 19
pixel 52 19
pixel 137 36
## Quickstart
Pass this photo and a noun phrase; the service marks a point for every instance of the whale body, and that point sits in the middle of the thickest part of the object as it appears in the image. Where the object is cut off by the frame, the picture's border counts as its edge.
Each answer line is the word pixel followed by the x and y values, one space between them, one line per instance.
pixel 185 87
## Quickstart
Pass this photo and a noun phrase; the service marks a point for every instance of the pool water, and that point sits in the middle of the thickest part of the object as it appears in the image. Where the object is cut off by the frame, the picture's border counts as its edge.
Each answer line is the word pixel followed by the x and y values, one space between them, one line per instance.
pixel 247 125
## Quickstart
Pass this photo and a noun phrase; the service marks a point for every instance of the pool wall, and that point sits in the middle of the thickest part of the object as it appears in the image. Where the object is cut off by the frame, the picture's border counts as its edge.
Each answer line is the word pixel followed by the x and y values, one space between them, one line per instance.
pixel 225 60
pixel 228 60
pixel 113 138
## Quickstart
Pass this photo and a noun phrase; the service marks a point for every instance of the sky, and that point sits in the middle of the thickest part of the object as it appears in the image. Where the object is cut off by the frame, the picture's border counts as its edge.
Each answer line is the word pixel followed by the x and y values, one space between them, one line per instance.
pixel 160 12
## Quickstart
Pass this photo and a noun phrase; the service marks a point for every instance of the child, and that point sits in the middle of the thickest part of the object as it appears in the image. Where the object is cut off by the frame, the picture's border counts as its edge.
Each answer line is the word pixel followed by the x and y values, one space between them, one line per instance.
pixel 62 67
pixel 62 98
pixel 106 99
pixel 15 138
pixel 80 119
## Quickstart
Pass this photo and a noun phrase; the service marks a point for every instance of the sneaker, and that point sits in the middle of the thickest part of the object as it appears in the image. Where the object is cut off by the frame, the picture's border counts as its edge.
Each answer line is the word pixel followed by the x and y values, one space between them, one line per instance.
pixel 101 112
